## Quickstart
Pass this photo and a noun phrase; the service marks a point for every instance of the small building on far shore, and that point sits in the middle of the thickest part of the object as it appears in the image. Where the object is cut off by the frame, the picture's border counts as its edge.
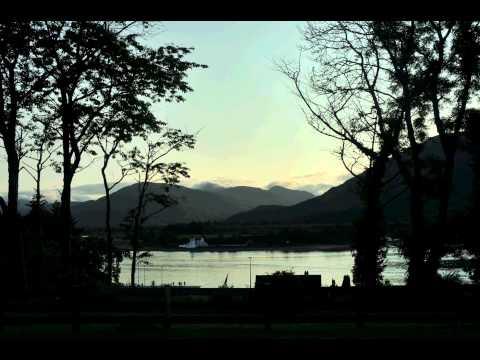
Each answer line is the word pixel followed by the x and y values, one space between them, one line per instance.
pixel 288 281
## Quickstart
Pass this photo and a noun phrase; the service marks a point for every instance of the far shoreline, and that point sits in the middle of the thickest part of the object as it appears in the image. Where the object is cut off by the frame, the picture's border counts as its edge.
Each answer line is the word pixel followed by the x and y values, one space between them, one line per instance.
pixel 289 248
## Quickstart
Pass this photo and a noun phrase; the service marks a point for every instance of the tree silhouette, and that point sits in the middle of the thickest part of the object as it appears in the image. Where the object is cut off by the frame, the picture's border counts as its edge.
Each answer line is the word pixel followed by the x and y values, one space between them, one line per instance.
pixel 400 41
pixel 448 70
pixel 149 166
pixel 472 134
pixel 95 68
pixel 120 130
pixel 44 266
pixel 41 151
pixel 345 98
pixel 432 65
pixel 21 89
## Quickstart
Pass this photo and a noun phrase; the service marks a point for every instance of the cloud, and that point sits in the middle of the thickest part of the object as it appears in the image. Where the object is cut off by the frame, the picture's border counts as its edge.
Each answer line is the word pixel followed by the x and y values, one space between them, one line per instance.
pixel 89 189
pixel 92 191
pixel 314 183
pixel 342 178
pixel 49 194
pixel 219 181
pixel 309 176
pixel 223 181
pixel 79 193
pixel 206 185
pixel 315 189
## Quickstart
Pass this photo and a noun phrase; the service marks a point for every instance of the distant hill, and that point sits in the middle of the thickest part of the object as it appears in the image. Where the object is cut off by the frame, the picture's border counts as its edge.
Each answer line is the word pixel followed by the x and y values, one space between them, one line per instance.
pixel 249 197
pixel 213 204
pixel 208 186
pixel 23 205
pixel 342 204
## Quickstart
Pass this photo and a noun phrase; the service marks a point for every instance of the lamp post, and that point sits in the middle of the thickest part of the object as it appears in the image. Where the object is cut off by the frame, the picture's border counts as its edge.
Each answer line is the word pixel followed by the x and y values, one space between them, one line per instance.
pixel 250 258
pixel 138 272
pixel 161 274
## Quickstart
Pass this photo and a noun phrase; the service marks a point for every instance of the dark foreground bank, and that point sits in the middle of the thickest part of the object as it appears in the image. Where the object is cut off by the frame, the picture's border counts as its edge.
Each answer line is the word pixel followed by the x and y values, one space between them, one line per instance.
pixel 300 319
pixel 379 341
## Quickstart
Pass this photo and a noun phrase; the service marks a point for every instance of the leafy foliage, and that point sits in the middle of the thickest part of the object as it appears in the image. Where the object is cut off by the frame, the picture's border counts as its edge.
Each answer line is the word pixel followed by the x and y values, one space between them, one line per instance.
pixel 44 249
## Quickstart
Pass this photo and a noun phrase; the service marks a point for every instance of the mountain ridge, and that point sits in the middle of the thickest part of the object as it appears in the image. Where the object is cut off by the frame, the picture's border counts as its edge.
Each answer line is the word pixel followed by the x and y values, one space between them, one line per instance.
pixel 342 204
pixel 215 204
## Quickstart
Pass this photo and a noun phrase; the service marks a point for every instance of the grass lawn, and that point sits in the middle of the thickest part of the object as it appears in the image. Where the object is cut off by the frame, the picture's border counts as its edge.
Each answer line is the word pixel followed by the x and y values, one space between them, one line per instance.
pixel 205 331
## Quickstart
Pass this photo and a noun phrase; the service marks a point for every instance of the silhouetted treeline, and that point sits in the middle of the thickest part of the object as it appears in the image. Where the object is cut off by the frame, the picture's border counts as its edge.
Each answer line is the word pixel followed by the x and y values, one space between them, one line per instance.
pixel 72 89
pixel 45 270
pixel 376 87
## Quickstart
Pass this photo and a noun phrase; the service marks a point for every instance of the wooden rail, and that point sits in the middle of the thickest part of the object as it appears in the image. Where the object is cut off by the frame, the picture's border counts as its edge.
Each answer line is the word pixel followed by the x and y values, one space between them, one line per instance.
pixel 117 318
pixel 161 306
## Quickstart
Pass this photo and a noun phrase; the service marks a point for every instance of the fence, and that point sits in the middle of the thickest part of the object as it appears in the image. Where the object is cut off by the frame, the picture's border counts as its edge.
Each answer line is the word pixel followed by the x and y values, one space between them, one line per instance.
pixel 169 306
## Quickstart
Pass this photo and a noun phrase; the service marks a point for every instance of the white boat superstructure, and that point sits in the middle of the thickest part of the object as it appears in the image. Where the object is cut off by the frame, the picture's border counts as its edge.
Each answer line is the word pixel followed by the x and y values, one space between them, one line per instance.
pixel 195 242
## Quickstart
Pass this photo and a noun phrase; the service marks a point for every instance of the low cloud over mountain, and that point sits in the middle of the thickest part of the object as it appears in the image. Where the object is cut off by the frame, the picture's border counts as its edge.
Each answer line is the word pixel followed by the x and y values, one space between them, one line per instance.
pixel 316 189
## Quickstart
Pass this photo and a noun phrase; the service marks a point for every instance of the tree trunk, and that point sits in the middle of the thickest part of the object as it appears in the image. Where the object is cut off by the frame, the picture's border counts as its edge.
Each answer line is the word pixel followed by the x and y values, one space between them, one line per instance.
pixel 136 228
pixel 370 232
pixel 39 220
pixel 134 267
pixel 108 228
pixel 71 245
pixel 67 214
pixel 476 185
pixel 13 231
pixel 13 171
pixel 69 250
pixel 442 234
pixel 472 226
pixel 37 184
pixel 68 172
pixel 416 242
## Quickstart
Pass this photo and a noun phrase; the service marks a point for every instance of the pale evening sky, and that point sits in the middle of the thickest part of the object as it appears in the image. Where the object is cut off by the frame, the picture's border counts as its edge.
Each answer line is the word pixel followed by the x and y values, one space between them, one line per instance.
pixel 252 129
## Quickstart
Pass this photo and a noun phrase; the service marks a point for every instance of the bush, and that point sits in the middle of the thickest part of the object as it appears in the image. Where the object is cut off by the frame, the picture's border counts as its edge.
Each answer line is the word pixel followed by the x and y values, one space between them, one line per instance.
pixel 283 273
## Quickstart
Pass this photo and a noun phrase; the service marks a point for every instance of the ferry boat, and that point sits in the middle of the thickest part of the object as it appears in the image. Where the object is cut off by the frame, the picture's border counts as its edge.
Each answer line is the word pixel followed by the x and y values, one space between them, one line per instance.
pixel 194 243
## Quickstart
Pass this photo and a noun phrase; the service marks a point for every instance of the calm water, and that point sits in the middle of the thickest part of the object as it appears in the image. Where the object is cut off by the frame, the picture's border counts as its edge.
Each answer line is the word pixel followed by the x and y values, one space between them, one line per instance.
pixel 209 269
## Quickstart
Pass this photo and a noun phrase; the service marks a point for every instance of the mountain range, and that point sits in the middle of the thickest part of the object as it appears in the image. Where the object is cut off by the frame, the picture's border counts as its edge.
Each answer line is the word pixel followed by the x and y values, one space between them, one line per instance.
pixel 209 203
pixel 342 204
pixel 278 205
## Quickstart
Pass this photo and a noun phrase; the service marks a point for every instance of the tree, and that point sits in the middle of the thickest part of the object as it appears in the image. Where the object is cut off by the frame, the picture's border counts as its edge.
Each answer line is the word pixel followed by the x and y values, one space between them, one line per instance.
pixel 449 70
pixel 433 64
pixel 41 151
pixel 149 166
pixel 400 41
pixel 345 98
pixel 110 148
pixel 472 132
pixel 21 89
pixel 119 130
pixel 93 67
pixel 45 272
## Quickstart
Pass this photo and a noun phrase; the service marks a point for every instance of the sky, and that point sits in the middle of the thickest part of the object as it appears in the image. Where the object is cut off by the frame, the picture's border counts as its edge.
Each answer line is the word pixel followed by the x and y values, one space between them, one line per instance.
pixel 251 128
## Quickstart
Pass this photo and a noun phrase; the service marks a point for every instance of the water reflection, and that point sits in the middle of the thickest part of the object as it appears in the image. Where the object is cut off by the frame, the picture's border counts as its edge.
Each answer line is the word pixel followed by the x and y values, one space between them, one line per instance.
pixel 209 269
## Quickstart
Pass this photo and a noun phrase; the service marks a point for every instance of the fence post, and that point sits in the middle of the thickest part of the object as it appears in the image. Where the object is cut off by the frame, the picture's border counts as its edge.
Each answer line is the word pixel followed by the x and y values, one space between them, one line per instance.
pixel 168 307
pixel 2 315
pixel 75 309
pixel 360 305
pixel 268 321
pixel 267 304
